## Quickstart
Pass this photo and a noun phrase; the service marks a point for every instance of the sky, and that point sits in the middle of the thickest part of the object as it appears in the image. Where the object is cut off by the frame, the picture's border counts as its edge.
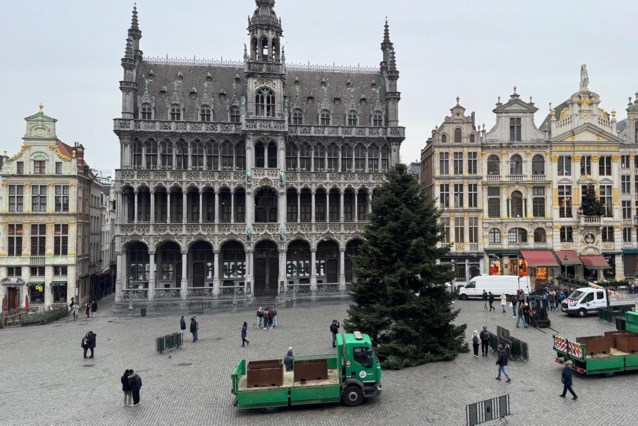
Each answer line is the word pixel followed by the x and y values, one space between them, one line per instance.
pixel 66 54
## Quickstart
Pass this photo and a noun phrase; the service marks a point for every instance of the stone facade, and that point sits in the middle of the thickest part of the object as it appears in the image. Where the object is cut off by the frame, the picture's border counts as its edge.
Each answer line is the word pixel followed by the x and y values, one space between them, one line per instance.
pixel 530 187
pixel 44 220
pixel 248 178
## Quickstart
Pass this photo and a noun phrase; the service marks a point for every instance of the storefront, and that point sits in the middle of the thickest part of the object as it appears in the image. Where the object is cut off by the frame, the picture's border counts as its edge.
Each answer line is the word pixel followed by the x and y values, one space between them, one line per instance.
pixel 465 267
pixel 595 265
pixel 12 294
pixel 59 291
pixel 629 258
pixel 540 265
pixel 571 266
pixel 504 263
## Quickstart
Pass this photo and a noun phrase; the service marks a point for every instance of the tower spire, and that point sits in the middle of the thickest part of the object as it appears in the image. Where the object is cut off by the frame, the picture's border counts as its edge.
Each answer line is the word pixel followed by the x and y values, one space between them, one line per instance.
pixel 386 44
pixel 134 22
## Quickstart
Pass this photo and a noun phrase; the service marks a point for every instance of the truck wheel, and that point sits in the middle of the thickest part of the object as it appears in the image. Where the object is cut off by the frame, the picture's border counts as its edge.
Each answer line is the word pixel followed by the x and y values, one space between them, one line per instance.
pixel 269 410
pixel 463 296
pixel 352 396
pixel 582 313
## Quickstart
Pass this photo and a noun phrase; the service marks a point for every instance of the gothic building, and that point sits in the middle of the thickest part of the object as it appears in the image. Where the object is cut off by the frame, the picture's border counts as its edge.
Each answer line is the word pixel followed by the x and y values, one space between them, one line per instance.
pixel 248 178
pixel 512 198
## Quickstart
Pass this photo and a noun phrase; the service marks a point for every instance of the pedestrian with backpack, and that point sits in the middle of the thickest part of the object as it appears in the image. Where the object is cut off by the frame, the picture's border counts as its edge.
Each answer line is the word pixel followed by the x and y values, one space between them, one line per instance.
pixel 502 362
pixel 476 341
pixel 485 341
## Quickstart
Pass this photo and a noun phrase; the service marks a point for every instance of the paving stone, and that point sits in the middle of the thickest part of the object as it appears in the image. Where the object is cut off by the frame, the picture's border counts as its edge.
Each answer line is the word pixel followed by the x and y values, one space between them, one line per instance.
pixel 45 380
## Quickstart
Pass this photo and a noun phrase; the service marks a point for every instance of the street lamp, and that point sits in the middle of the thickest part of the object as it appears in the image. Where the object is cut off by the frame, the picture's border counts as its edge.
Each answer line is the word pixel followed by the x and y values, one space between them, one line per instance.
pixel 565 265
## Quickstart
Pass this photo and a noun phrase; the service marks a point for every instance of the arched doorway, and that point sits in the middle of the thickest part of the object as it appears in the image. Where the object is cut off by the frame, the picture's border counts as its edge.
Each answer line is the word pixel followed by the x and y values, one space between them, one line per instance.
pixel 266 268
pixel 137 258
pixel 169 265
pixel 233 263
pixel 298 262
pixel 328 262
pixel 352 249
pixel 201 264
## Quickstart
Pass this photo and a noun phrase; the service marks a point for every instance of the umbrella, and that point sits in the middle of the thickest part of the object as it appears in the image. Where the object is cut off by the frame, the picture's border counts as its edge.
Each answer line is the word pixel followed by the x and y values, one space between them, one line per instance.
pixel 26 304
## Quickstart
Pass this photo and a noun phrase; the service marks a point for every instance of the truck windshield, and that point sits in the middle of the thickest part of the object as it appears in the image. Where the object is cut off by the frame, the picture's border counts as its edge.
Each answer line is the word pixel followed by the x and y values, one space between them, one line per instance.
pixel 576 295
pixel 471 284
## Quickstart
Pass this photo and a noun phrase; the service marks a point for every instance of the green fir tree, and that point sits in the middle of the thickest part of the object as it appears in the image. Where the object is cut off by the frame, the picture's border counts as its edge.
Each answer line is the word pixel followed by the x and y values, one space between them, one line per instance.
pixel 400 298
pixel 591 205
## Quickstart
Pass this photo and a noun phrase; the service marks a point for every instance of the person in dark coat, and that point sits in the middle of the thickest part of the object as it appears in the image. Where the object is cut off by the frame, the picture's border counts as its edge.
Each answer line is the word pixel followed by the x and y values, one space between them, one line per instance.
pixel 485 341
pixel 566 378
pixel 502 362
pixel 93 308
pixel 484 298
pixel 126 388
pixel 87 309
pixel 194 328
pixel 182 324
pixel 289 359
pixel 490 299
pixel 88 343
pixel 334 329
pixel 476 341
pixel 135 382
pixel 244 333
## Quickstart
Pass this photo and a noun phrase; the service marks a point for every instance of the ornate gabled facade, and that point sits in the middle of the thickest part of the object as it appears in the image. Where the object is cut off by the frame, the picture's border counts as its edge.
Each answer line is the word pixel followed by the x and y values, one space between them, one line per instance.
pixel 253 177
pixel 45 220
pixel 531 186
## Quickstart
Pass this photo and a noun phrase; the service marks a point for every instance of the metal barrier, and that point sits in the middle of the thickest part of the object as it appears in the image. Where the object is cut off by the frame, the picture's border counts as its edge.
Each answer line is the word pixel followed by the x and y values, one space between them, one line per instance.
pixel 196 306
pixel 168 342
pixel 502 333
pixel 519 350
pixel 488 410
pixel 610 313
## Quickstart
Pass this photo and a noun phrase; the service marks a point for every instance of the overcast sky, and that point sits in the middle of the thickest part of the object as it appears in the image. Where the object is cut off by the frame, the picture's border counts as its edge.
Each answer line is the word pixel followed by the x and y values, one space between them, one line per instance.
pixel 66 54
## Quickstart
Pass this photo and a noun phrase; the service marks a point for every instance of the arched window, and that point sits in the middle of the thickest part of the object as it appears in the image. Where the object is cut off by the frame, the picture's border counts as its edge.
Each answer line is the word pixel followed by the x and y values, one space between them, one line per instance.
pixel 443 138
pixel 377 119
pixel 539 235
pixel 254 51
pixel 197 155
pixel 205 113
pixel 212 156
pixel 346 158
pixel 138 149
pixel 493 165
pixel 458 135
pixel 333 157
pixel 265 103
pixel 147 111
pixel 495 236
pixel 227 156
pixel 373 158
pixel 240 156
pixel 176 112
pixel 151 154
pixel 324 117
pixel 516 165
pixel 472 138
pixel 291 156
pixel 385 158
pixel 320 157
pixel 297 116
pixel 517 236
pixel 517 204
pixel 538 165
pixel 305 153
pixel 166 154
pixel 360 158
pixel 353 118
pixel 272 155
pixel 264 49
pixel 235 115
pixel 275 50
pixel 181 152
pixel 636 136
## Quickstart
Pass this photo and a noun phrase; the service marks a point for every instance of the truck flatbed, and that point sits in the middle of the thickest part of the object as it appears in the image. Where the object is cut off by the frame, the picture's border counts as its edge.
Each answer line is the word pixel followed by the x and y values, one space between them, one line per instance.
pixel 333 379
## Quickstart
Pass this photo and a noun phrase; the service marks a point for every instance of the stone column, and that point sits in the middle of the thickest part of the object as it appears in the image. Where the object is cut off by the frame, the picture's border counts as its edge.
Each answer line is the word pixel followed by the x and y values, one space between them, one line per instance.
pixel 356 206
pixel 168 205
pixel 184 283
pixel 249 271
pixel 201 202
pixel 298 206
pixel 216 206
pixel 620 267
pixel 282 269
pixel 232 207
pixel 341 212
pixel 152 216
pixel 216 272
pixel 312 206
pixel 184 206
pixel 369 202
pixel 135 206
pixel 327 205
pixel 151 275
pixel 120 280
pixel 313 270
pixel 342 269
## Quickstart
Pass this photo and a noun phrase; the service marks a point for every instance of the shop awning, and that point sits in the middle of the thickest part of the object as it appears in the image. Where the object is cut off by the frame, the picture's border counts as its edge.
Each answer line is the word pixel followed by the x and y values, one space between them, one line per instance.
pixel 595 262
pixel 57 283
pixel 539 258
pixel 35 283
pixel 571 255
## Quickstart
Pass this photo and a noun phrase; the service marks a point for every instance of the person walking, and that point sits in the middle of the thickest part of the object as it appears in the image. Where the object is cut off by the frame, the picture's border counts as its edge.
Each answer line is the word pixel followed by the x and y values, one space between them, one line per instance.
pixel 182 324
pixel 126 388
pixel 88 343
pixel 74 309
pixel 270 317
pixel 260 317
pixel 552 300
pixel 476 341
pixel 274 316
pixel 485 341
pixel 513 306
pixel 93 308
pixel 289 359
pixel 87 309
pixel 521 316
pixel 490 299
pixel 135 382
pixel 244 333
pixel 503 302
pixel 194 328
pixel 484 297
pixel 566 378
pixel 334 329
pixel 502 362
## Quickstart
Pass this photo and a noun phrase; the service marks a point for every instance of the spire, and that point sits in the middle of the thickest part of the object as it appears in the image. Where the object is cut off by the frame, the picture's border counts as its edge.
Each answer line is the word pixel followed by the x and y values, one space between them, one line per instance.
pixel 386 45
pixel 393 61
pixel 134 22
pixel 128 52
pixel 386 32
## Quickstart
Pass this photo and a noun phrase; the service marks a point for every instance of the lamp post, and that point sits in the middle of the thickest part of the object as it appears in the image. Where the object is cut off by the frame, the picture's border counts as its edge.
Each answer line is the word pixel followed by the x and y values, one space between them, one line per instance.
pixel 454 271
pixel 565 265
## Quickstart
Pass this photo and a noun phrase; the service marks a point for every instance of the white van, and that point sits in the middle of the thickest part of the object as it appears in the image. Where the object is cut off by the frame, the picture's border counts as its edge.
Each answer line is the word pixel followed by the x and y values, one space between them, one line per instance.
pixel 497 284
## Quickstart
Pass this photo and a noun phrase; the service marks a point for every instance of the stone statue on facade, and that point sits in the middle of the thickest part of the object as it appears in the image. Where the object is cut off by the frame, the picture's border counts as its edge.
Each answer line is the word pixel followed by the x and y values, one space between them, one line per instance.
pixel 584 78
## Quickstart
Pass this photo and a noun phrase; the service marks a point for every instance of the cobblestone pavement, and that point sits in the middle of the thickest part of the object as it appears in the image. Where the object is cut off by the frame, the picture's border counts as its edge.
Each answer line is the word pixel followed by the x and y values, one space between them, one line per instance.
pixel 45 380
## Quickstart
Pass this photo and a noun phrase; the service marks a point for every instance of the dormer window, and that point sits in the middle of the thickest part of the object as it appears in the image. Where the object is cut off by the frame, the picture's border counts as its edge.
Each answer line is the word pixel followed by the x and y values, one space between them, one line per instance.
pixel 235 115
pixel 146 111
pixel 205 113
pixel 324 117
pixel 353 118
pixel 265 103
pixel 377 119
pixel 176 112
pixel 515 129
pixel 458 135
pixel 297 116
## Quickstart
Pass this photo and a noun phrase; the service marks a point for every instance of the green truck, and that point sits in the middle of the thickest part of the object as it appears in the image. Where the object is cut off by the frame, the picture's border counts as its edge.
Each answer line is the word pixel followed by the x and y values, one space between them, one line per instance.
pixel 614 352
pixel 349 376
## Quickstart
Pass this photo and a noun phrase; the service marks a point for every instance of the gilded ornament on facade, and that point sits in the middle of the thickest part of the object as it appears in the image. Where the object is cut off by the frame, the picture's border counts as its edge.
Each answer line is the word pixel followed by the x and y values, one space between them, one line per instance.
pixel 555 158
pixel 595 157
pixel 615 158
pixel 576 158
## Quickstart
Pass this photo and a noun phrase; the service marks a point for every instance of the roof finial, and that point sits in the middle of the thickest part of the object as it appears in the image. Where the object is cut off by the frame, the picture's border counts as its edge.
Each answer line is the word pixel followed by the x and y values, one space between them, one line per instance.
pixel 41 107
pixel 458 98
pixel 134 22
pixel 515 90
pixel 386 31
pixel 584 78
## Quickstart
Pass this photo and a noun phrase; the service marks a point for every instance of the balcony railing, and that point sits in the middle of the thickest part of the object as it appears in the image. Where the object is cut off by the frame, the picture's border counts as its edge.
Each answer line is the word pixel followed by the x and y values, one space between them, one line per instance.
pixel 121 124
pixel 590 220
pixel 346 131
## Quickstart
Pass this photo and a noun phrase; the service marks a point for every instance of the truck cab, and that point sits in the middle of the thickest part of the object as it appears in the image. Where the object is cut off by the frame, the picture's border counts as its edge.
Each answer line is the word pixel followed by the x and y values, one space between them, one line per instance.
pixel 361 367
pixel 585 300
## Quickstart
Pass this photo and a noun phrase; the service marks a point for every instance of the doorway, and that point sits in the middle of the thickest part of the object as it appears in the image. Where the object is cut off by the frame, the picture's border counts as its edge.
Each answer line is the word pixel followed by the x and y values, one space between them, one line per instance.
pixel 266 268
